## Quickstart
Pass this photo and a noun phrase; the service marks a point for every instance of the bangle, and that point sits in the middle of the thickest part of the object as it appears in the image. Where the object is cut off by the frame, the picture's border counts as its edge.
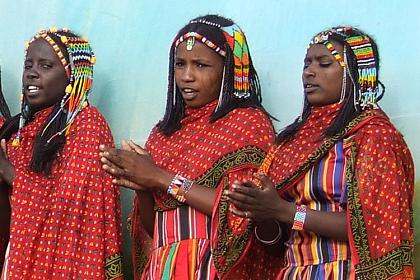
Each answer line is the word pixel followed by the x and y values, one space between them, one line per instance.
pixel 299 219
pixel 179 187
pixel 275 239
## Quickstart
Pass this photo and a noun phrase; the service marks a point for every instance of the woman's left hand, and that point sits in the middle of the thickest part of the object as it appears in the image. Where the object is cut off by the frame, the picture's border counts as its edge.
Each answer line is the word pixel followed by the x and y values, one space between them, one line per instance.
pixel 258 204
pixel 134 165
pixel 7 170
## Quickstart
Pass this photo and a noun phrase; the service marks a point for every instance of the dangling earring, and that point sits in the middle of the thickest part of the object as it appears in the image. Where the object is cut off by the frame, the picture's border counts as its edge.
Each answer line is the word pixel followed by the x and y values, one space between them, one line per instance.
pixel 344 83
pixel 219 103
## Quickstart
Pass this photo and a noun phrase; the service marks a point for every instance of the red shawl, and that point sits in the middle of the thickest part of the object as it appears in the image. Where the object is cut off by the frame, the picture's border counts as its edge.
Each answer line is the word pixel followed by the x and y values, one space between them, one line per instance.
pixel 380 225
pixel 66 225
pixel 208 153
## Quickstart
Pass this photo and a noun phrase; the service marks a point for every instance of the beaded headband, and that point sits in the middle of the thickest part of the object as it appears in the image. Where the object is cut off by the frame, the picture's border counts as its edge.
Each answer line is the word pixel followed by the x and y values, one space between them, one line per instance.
pixel 79 71
pixel 368 92
pixel 202 39
pixel 236 41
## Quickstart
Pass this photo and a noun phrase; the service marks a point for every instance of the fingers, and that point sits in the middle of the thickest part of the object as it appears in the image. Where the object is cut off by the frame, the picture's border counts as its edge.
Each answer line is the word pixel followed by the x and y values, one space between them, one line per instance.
pixel 239 213
pixel 128 184
pixel 265 180
pixel 111 168
pixel 3 145
pixel 137 148
pixel 115 156
pixel 125 146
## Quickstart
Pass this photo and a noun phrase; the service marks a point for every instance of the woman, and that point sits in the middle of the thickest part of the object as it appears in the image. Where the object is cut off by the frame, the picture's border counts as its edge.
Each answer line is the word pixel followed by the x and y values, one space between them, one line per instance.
pixel 65 212
pixel 214 131
pixel 342 173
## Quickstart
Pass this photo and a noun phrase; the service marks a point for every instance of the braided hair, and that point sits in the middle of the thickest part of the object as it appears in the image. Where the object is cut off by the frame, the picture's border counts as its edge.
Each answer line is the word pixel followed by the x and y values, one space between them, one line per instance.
pixel 77 58
pixel 353 99
pixel 213 29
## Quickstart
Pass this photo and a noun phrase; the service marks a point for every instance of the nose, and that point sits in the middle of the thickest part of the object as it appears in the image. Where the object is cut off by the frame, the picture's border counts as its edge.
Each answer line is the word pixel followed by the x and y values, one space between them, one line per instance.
pixel 31 73
pixel 308 71
pixel 187 74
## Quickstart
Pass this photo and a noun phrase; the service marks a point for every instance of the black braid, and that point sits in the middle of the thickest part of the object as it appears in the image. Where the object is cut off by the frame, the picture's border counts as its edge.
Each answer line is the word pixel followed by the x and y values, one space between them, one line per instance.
pixel 45 151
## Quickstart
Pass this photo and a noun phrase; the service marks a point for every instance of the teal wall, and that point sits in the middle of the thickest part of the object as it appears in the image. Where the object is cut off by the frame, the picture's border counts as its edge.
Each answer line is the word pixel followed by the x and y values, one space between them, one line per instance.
pixel 131 39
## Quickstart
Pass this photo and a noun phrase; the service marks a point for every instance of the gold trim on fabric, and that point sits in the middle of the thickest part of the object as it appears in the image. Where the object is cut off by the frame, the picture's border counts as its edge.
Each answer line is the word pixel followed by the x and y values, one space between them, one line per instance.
pixel 113 267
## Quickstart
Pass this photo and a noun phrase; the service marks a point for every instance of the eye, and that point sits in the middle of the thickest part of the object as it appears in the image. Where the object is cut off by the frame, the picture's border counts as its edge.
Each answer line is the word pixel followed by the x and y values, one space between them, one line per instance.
pixel 179 64
pixel 27 65
pixel 325 64
pixel 46 65
pixel 202 65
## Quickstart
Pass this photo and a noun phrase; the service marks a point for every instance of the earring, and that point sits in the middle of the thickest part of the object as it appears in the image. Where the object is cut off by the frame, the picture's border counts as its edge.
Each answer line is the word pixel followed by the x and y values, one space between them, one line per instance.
pixel 344 83
pixel 221 90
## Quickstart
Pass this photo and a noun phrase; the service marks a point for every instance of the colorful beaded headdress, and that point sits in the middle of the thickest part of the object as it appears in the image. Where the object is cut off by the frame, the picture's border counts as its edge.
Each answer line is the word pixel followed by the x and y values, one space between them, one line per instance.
pixel 236 41
pixel 367 91
pixel 79 70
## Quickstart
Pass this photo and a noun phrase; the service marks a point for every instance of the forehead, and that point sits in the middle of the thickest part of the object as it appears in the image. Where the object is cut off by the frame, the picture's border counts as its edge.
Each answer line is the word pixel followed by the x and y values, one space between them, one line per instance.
pixel 199 50
pixel 41 49
pixel 321 49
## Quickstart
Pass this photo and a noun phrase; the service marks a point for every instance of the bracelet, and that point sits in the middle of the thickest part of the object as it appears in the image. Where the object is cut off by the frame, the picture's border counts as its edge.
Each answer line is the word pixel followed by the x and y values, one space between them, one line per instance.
pixel 275 239
pixel 179 187
pixel 299 219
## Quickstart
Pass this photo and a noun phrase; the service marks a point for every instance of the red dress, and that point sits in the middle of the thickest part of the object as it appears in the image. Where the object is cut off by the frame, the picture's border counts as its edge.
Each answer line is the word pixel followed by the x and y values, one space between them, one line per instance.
pixel 66 225
pixel 213 155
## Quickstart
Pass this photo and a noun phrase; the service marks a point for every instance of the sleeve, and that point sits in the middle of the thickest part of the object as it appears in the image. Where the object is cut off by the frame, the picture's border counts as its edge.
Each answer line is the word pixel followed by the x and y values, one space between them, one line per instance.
pixel 380 203
pixel 78 203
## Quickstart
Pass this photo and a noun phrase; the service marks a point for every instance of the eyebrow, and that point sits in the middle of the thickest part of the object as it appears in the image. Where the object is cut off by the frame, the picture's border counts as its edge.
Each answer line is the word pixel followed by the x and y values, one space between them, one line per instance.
pixel 319 57
pixel 198 59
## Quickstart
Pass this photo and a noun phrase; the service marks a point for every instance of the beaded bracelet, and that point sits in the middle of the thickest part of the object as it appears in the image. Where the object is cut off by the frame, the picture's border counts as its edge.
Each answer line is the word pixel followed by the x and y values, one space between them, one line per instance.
pixel 179 187
pixel 275 239
pixel 299 219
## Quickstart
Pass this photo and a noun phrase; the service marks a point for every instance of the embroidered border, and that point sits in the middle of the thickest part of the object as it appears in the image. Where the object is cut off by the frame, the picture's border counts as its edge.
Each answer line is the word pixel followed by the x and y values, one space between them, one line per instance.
pixel 113 267
pixel 225 257
pixel 388 266
pixel 249 155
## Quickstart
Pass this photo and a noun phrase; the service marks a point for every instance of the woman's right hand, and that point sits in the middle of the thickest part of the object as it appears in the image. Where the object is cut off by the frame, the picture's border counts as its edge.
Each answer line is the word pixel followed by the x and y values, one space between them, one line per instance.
pixel 133 164
pixel 259 204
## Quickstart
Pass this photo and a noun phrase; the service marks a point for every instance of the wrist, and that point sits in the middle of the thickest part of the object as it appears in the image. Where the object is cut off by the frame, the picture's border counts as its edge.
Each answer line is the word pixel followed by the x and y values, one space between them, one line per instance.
pixel 287 213
pixel 165 180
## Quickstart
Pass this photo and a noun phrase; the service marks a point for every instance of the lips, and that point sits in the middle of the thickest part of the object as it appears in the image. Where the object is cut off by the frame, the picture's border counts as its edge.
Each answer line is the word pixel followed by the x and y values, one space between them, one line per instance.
pixel 188 93
pixel 310 88
pixel 32 90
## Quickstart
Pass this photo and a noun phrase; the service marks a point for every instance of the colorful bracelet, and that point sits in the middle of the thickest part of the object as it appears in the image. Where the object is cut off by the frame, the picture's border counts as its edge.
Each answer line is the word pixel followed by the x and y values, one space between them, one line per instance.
pixel 179 187
pixel 275 239
pixel 299 219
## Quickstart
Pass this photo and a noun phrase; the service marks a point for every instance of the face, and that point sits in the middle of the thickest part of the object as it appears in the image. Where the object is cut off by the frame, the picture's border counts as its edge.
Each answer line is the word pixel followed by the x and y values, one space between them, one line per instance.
pixel 198 74
pixel 322 75
pixel 44 78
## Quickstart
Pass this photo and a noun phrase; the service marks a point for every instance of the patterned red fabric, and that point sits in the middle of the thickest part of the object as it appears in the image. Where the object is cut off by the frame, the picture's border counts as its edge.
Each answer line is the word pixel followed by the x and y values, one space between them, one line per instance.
pixel 292 154
pixel 194 150
pixel 380 185
pixel 66 225
pixel 381 202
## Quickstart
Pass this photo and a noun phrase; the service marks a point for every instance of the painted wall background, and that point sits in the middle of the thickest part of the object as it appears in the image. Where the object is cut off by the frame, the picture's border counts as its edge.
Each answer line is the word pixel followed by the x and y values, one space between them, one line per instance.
pixel 131 39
